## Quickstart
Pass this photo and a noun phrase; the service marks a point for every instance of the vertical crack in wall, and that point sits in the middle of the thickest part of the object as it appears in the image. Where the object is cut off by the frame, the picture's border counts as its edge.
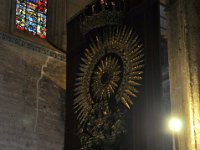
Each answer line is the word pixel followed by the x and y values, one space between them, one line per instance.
pixel 38 91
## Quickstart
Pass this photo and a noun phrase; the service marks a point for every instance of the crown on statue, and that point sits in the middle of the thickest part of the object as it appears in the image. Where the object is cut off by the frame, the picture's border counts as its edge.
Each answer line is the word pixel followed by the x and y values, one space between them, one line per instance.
pixel 102 13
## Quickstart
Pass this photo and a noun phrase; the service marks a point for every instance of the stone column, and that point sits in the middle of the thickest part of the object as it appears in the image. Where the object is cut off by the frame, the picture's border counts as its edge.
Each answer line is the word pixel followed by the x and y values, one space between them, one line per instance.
pixel 184 69
pixel 56 23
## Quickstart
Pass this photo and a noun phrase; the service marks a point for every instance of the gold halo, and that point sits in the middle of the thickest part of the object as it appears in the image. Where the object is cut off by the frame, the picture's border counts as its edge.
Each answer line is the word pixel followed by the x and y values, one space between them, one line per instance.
pixel 122 42
pixel 105 78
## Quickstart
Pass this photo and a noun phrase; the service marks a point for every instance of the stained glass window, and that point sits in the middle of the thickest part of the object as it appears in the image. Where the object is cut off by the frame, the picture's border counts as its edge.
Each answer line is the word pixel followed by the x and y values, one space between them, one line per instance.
pixel 31 15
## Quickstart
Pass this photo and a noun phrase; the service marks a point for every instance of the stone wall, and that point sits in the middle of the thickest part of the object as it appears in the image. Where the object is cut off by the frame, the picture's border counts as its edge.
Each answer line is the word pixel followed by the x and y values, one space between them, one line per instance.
pixel 32 98
pixel 5 9
pixel 56 23
pixel 184 69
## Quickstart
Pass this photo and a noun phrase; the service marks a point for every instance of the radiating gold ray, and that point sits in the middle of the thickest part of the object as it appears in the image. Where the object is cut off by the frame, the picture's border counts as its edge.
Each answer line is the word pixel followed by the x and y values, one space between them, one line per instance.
pixel 128 99
pixel 106 61
pixel 93 50
pixel 82 112
pixel 128 42
pixel 84 60
pixel 120 34
pixel 133 89
pixel 128 38
pixel 111 88
pixel 131 82
pixel 125 36
pixel 108 92
pixel 83 69
pixel 137 55
pixel 136 77
pixel 100 69
pixel 98 42
pixel 137 59
pixel 137 64
pixel 129 92
pixel 134 51
pixel 76 102
pixel 84 66
pixel 78 88
pixel 87 51
pixel 135 73
pixel 135 40
pixel 78 108
pixel 94 46
pixel 137 67
pixel 124 102
pixel 88 57
pixel 102 64
pixel 79 92
pixel 79 83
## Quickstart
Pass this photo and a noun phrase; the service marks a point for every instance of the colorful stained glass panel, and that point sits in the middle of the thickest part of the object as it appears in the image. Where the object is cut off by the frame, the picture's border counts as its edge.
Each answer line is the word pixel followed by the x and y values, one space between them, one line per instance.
pixel 42 6
pixel 31 15
pixel 42 19
pixel 31 6
pixel 31 27
pixel 20 16
pixel 22 2
pixel 32 1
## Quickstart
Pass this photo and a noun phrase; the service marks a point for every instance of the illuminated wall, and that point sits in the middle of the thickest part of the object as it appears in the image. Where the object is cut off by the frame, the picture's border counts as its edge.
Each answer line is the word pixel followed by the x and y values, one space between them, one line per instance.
pixel 184 69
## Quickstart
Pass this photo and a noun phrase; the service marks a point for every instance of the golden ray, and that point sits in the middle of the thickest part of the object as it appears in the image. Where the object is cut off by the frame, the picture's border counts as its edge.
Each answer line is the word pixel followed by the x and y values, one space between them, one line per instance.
pixel 88 57
pixel 131 82
pixel 135 51
pixel 124 102
pixel 83 66
pixel 129 92
pixel 78 82
pixel 137 67
pixel 84 60
pixel 133 89
pixel 128 99
pixel 137 59
pixel 78 88
pixel 102 64
pixel 133 73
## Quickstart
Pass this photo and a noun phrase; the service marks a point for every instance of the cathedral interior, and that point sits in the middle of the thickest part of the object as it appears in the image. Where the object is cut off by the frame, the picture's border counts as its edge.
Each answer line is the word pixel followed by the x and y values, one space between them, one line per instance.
pixel 99 75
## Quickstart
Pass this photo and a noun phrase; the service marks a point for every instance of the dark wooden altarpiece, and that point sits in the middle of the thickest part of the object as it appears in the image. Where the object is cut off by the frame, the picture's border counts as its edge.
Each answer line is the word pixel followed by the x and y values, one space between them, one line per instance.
pixel 144 122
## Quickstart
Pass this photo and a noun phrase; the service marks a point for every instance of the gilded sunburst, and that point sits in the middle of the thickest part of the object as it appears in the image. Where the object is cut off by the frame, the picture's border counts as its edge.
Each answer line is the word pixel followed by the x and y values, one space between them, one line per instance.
pixel 111 67
pixel 105 78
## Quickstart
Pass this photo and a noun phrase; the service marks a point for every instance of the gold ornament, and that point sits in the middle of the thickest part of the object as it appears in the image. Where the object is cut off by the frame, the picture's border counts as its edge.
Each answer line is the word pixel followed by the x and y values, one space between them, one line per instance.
pixel 111 68
pixel 105 78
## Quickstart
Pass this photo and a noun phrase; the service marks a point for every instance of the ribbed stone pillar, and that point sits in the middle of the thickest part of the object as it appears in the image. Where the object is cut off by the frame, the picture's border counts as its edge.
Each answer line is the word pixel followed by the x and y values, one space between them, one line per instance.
pixel 184 69
pixel 56 23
